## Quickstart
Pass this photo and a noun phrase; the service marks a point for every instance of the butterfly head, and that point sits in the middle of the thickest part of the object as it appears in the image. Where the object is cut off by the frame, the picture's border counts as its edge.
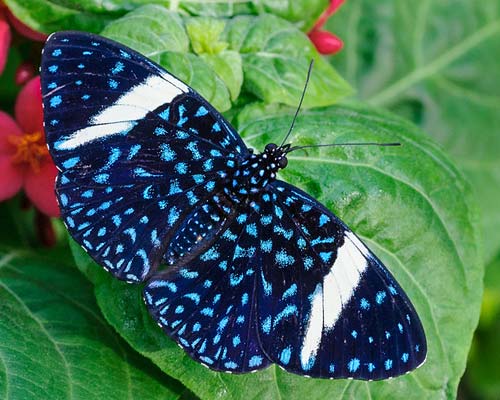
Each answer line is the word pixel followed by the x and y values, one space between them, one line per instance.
pixel 275 156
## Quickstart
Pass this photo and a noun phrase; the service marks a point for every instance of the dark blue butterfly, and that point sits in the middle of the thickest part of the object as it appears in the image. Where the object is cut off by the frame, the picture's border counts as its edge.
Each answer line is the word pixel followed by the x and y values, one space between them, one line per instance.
pixel 242 270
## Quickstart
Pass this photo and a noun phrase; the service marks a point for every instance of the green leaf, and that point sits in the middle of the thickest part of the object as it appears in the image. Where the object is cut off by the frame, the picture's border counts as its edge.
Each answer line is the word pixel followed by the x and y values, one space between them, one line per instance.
pixel 482 377
pixel 48 16
pixel 161 35
pixel 433 61
pixel 55 343
pixel 409 204
pixel 276 56
pixel 150 30
pixel 205 35
pixel 301 12
pixel 228 67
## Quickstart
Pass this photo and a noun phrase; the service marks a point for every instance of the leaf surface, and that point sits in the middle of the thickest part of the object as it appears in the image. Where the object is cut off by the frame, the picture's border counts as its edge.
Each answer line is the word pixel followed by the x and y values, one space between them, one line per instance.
pixel 433 62
pixel 55 344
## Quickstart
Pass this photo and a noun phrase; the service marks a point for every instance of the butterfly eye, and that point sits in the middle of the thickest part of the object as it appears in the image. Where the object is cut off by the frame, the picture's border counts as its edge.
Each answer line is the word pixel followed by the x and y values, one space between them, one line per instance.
pixel 282 162
pixel 270 147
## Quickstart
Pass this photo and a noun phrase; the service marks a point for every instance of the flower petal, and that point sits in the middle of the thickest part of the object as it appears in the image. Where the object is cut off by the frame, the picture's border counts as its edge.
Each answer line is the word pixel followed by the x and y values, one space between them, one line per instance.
pixel 40 188
pixel 12 178
pixel 5 37
pixel 8 127
pixel 24 29
pixel 28 109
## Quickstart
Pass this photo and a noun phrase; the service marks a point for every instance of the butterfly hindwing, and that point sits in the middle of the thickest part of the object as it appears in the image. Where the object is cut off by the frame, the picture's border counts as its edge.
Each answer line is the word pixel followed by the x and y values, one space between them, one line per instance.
pixel 327 306
pixel 128 141
pixel 208 305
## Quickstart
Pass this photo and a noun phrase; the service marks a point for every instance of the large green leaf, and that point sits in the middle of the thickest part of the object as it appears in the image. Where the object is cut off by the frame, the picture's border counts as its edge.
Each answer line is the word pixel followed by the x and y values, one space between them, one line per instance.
pixel 151 30
pixel 435 62
pixel 92 15
pixel 276 56
pixel 55 344
pixel 482 377
pixel 409 204
pixel 269 52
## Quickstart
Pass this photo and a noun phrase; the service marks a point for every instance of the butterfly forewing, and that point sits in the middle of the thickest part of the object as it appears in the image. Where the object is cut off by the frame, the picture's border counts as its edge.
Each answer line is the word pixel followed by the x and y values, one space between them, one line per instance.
pixel 126 138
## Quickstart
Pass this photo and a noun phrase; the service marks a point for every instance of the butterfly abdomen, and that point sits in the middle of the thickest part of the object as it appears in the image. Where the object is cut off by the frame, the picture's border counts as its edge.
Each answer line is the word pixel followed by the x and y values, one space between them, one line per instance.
pixel 199 229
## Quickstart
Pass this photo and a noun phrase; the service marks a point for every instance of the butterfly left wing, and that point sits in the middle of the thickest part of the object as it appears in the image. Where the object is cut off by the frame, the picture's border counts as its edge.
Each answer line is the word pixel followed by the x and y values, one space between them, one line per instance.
pixel 136 148
pixel 327 306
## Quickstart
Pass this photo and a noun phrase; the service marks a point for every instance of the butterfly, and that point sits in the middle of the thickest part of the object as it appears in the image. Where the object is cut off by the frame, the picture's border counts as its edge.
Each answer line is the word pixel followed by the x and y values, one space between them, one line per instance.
pixel 241 269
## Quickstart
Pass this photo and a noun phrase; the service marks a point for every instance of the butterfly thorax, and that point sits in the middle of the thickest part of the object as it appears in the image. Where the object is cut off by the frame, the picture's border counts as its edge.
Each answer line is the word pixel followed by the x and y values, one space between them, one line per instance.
pixel 258 170
pixel 200 228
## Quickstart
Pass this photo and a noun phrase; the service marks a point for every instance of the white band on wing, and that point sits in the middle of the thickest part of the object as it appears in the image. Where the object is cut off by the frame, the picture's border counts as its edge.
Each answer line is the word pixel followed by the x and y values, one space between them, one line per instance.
pixel 329 299
pixel 122 115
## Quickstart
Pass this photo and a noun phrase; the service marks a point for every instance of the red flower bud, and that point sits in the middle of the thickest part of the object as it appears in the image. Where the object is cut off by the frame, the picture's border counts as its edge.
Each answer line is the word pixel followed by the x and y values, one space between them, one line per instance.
pixel 326 43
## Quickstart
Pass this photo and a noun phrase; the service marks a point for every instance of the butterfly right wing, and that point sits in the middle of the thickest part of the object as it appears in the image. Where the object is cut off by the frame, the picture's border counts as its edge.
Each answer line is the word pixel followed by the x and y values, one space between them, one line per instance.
pixel 327 306
pixel 136 148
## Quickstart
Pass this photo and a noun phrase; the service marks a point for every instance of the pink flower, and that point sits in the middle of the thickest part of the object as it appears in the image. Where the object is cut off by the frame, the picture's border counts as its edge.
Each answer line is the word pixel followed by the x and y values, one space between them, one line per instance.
pixel 25 162
pixel 326 42
pixel 5 37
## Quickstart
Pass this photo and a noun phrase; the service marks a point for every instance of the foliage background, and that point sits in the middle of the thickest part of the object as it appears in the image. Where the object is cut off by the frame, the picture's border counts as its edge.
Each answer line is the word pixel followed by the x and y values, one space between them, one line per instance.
pixel 422 73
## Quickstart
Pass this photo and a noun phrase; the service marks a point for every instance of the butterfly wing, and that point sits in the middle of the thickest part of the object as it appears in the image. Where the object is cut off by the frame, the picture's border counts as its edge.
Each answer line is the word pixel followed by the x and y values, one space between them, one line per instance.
pixel 327 306
pixel 136 149
pixel 208 305
pixel 289 283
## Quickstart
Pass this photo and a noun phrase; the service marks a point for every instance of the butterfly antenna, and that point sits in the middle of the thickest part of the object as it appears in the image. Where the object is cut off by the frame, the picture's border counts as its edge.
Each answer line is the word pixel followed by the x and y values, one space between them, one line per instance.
pixel 300 102
pixel 342 144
